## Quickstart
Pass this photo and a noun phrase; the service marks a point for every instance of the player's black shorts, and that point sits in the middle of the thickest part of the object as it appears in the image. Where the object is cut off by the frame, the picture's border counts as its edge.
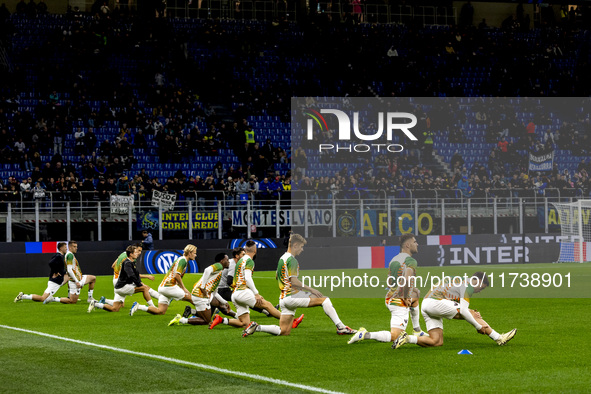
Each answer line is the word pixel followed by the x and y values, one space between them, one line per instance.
pixel 226 293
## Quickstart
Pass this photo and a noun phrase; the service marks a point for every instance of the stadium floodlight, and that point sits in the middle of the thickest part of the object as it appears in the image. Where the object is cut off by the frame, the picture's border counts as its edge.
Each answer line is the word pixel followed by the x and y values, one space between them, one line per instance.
pixel 575 226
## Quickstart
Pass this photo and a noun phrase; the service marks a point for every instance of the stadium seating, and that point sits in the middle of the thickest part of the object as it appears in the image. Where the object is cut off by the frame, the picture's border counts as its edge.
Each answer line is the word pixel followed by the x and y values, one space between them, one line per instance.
pixel 296 71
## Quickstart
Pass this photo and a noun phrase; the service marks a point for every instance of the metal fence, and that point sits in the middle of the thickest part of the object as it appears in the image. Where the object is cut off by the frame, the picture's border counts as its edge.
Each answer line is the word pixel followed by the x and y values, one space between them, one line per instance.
pixel 82 215
pixel 267 10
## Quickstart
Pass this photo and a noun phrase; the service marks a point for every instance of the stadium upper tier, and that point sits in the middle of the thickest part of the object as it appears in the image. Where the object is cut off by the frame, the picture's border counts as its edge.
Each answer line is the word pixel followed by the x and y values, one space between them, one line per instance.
pixel 173 71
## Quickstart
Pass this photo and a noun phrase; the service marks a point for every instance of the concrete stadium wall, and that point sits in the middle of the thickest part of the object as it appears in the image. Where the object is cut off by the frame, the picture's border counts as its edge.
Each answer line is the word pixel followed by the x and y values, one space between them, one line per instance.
pixel 320 253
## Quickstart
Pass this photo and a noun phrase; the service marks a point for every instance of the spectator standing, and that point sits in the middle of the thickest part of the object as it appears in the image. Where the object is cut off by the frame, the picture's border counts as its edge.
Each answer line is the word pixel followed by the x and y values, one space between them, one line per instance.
pixel 148 242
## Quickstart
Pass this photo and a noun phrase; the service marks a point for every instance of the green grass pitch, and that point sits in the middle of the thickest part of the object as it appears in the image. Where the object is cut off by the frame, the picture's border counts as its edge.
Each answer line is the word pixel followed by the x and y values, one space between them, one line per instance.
pixel 550 353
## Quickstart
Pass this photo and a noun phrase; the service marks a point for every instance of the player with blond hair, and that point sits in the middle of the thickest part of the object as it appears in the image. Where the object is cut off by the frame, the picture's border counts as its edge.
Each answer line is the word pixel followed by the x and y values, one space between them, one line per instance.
pixel 294 294
pixel 205 295
pixel 172 286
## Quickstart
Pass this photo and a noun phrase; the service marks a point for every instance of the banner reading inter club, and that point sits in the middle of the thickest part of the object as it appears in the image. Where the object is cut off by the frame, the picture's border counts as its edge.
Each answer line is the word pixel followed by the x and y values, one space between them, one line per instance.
pixel 176 221
pixel 541 162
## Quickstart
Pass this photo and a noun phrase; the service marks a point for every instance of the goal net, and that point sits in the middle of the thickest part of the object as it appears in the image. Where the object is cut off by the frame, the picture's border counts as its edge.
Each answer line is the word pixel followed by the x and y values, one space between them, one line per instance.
pixel 575 225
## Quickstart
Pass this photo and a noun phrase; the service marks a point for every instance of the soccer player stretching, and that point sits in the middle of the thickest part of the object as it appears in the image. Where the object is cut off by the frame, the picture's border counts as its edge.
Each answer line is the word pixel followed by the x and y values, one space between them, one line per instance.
pixel 225 287
pixel 128 282
pixel 450 300
pixel 227 278
pixel 205 295
pixel 57 277
pixel 77 280
pixel 402 297
pixel 117 265
pixel 295 295
pixel 246 295
pixel 172 287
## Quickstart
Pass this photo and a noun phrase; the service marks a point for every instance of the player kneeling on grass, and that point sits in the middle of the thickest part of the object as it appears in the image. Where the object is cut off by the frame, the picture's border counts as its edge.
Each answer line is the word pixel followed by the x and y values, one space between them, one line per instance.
pixel 117 265
pixel 295 295
pixel 57 277
pixel 402 297
pixel 205 295
pixel 172 287
pixel 225 287
pixel 450 300
pixel 77 280
pixel 246 295
pixel 127 284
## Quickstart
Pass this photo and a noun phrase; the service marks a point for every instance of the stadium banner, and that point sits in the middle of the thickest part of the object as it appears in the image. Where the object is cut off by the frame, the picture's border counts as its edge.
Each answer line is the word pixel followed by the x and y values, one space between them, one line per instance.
pixel 375 223
pixel 296 217
pixel 554 220
pixel 443 250
pixel 405 222
pixel 167 200
pixel 262 243
pixel 42 247
pixel 177 221
pixel 541 162
pixel 159 261
pixel 120 204
pixel 516 266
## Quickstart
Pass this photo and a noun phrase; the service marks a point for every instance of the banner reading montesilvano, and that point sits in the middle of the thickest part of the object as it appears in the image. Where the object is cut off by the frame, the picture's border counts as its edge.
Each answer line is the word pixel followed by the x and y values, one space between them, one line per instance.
pixel 296 217
pixel 165 199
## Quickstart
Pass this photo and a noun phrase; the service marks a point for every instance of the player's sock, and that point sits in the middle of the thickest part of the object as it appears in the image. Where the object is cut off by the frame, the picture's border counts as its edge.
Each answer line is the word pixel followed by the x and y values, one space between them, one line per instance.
pixel 90 294
pixel 332 313
pixel 143 308
pixel 380 336
pixel 27 297
pixel 412 339
pixel 414 317
pixel 56 299
pixel 225 320
pixel 184 320
pixel 99 305
pixel 271 329
pixel 109 302
pixel 154 294
pixel 494 335
pixel 265 312
pixel 151 303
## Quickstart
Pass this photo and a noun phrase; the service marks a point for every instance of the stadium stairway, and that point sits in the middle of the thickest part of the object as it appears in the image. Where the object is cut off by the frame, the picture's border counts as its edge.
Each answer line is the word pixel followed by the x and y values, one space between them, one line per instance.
pixel 441 166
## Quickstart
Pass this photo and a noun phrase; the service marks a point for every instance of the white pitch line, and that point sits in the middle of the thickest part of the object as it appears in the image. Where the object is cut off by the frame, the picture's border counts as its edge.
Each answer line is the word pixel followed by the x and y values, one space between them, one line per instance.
pixel 181 362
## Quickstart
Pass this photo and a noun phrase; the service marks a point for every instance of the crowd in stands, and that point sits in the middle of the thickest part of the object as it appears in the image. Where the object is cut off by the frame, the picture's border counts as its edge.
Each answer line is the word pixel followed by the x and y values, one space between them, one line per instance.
pixel 168 94
pixel 105 168
pixel 467 181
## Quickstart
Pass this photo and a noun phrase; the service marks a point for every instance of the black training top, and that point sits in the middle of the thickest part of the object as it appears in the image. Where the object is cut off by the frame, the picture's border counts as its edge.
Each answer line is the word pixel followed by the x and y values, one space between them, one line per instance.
pixel 57 266
pixel 128 275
